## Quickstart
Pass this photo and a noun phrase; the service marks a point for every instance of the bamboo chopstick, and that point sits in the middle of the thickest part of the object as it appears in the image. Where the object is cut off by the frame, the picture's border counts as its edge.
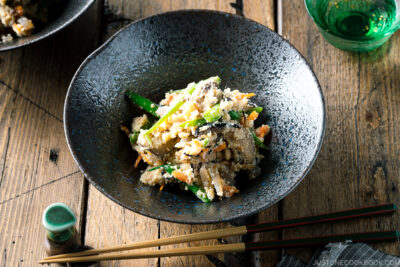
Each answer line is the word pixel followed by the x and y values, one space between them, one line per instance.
pixel 241 230
pixel 238 247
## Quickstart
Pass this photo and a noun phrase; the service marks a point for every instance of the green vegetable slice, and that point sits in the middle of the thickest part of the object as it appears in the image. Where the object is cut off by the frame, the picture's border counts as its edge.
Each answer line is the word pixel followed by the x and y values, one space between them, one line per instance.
pixel 256 109
pixel 205 142
pixel 258 141
pixel 195 189
pixel 193 123
pixel 167 167
pixel 133 137
pixel 213 114
pixel 143 103
pixel 234 115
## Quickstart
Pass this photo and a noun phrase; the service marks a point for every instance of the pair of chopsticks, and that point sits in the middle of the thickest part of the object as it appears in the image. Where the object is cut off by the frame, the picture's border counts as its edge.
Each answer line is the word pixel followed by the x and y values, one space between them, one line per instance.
pixel 92 255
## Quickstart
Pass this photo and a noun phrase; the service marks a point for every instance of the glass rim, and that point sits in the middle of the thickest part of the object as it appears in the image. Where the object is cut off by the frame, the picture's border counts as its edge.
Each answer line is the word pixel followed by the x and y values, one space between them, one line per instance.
pixel 395 26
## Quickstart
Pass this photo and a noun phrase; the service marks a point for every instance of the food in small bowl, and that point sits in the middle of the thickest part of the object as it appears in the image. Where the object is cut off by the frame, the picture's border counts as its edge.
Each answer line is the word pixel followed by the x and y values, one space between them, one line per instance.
pixel 23 22
pixel 19 18
pixel 198 138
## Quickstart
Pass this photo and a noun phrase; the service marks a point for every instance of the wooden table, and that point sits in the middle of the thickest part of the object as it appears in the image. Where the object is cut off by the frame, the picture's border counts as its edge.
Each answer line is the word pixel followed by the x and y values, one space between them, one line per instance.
pixel 358 164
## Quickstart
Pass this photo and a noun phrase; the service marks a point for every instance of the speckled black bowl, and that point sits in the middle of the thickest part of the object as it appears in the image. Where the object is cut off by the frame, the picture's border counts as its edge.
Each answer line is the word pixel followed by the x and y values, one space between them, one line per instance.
pixel 72 10
pixel 166 52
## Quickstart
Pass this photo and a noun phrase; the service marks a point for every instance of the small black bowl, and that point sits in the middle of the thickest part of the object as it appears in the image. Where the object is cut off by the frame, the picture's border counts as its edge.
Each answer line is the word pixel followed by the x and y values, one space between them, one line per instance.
pixel 168 51
pixel 68 13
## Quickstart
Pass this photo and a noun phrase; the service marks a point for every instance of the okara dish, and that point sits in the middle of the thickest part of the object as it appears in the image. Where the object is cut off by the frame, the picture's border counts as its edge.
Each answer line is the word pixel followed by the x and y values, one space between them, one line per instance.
pixel 18 17
pixel 198 138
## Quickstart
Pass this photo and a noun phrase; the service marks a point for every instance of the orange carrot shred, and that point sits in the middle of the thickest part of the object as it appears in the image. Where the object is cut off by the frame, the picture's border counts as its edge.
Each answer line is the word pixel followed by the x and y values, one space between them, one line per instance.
pixel 180 176
pixel 126 130
pixel 162 187
pixel 19 10
pixel 253 116
pixel 262 131
pixel 241 96
pixel 139 158
pixel 220 148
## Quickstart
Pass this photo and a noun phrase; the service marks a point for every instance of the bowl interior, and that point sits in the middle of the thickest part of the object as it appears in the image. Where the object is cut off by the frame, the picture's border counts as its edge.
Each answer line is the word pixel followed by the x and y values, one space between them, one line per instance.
pixel 70 11
pixel 169 51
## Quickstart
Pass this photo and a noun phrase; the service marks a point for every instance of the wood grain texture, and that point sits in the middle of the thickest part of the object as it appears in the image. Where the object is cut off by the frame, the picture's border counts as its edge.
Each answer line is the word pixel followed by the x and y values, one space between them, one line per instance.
pixel 358 163
pixel 109 224
pixel 36 167
pixel 22 234
pixel 262 11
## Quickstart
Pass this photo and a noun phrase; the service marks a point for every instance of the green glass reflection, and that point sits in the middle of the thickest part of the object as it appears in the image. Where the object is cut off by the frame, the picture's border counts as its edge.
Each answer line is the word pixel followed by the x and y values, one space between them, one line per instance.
pixel 357 25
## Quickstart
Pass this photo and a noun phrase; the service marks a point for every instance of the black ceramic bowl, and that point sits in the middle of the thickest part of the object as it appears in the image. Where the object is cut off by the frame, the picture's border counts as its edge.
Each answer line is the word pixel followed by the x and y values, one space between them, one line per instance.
pixel 69 12
pixel 168 51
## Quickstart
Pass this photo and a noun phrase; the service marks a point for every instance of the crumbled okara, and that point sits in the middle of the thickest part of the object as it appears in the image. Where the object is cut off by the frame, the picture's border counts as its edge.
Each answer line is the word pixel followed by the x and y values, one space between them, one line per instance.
pixel 6 38
pixel 6 16
pixel 23 27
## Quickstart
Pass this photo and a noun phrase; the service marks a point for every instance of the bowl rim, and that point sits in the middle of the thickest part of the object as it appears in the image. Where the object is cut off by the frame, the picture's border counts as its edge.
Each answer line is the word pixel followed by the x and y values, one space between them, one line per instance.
pixel 89 177
pixel 9 47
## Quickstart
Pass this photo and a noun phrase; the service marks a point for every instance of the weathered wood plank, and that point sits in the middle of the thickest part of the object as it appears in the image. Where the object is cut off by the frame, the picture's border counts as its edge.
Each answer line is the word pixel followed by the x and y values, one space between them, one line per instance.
pixel 36 167
pixel 31 136
pixel 22 234
pixel 358 164
pixel 109 224
pixel 262 11
pixel 377 122
pixel 48 66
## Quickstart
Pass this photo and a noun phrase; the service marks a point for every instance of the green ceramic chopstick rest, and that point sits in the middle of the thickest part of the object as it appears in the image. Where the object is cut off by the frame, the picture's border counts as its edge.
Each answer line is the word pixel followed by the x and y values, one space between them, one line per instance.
pixel 61 234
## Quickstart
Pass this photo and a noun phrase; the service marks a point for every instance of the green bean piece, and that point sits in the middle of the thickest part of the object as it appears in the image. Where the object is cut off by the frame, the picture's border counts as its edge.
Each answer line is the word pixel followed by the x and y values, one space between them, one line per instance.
pixel 167 167
pixel 133 137
pixel 195 189
pixel 143 103
pixel 213 114
pixel 205 142
pixel 256 109
pixel 234 115
pixel 258 141
pixel 193 123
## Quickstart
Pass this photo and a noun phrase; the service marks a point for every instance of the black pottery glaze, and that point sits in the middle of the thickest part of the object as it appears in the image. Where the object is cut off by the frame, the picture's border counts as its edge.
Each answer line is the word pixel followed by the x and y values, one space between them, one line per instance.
pixel 168 51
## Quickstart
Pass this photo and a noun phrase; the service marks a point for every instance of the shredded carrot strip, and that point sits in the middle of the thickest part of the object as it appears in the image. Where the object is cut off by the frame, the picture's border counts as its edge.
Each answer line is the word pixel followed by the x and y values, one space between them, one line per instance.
pixel 162 187
pixel 139 158
pixel 241 96
pixel 253 116
pixel 19 10
pixel 180 176
pixel 146 159
pixel 170 98
pixel 230 190
pixel 262 131
pixel 126 130
pixel 220 148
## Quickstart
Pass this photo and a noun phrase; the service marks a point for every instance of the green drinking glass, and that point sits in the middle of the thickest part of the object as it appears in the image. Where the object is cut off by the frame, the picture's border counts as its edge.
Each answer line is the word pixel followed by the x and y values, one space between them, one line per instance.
pixel 355 25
